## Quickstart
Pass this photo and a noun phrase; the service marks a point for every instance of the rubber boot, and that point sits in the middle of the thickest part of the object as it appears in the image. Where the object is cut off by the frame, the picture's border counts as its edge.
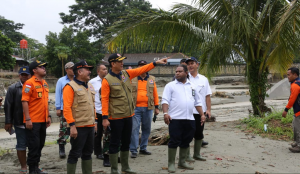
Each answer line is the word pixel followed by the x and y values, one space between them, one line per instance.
pixel 106 162
pixel 188 157
pixel 197 148
pixel 171 159
pixel 62 153
pixel 113 159
pixel 182 157
pixel 124 155
pixel 86 166
pixel 71 168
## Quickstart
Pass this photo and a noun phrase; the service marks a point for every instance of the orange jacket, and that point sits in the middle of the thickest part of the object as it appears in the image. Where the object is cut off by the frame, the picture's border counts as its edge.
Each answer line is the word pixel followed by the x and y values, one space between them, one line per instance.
pixel 142 98
pixel 68 99
pixel 105 89
pixel 295 91
pixel 36 93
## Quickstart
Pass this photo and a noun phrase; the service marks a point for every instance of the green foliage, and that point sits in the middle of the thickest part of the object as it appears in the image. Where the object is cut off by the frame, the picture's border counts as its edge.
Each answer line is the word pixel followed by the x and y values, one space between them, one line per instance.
pixel 96 15
pixel 262 33
pixel 257 123
pixel 6 50
pixel 11 29
pixel 76 45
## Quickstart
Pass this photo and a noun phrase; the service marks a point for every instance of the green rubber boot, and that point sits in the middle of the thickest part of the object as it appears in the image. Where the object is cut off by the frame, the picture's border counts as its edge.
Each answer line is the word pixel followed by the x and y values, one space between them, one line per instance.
pixel 124 162
pixel 182 157
pixel 197 148
pixel 171 159
pixel 113 159
pixel 188 157
pixel 86 166
pixel 71 168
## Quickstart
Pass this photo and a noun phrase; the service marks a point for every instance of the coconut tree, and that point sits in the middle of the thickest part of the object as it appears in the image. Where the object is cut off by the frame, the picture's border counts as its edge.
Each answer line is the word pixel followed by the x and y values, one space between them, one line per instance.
pixel 264 33
pixel 62 53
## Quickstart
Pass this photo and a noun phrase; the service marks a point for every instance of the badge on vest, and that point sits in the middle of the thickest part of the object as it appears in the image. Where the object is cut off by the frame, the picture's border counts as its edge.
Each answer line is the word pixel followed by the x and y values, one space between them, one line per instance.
pixel 39 94
pixel 45 85
pixel 151 81
pixel 37 87
pixel 115 84
pixel 193 92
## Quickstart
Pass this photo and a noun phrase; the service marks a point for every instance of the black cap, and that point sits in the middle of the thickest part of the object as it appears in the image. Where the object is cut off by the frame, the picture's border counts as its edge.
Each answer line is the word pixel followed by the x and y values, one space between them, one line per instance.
pixel 35 64
pixel 24 70
pixel 82 64
pixel 191 59
pixel 116 57
pixel 142 62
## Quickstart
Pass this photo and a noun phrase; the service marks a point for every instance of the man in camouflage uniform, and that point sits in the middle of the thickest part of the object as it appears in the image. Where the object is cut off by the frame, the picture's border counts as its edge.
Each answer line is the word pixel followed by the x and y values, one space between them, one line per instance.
pixel 62 140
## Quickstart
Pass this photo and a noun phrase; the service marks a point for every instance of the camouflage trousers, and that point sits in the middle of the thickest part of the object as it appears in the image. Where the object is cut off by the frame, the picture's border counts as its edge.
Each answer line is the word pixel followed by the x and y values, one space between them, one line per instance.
pixel 63 135
pixel 106 141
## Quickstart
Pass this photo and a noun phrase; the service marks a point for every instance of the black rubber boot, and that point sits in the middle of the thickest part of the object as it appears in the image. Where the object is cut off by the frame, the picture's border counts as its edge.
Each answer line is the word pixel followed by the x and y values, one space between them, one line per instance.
pixel 62 153
pixel 106 162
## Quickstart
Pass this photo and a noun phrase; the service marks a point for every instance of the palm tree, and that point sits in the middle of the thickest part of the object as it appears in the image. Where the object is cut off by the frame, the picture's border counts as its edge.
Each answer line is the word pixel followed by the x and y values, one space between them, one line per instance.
pixel 264 33
pixel 62 53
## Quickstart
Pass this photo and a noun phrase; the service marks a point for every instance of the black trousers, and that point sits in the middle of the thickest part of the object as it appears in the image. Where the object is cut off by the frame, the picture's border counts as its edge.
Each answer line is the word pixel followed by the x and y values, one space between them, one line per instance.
pixel 35 142
pixel 120 133
pixel 199 129
pixel 83 145
pixel 181 133
pixel 98 138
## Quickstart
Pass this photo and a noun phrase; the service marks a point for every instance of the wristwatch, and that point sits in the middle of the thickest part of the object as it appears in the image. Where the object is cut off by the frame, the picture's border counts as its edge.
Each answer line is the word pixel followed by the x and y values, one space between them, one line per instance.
pixel 165 113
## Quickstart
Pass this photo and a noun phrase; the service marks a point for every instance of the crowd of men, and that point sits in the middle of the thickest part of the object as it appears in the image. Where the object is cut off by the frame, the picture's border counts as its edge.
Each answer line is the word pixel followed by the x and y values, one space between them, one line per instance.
pixel 110 109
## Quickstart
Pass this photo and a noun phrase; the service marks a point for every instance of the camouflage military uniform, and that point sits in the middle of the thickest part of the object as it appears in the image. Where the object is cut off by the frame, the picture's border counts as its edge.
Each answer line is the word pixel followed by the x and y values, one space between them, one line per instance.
pixel 106 140
pixel 63 135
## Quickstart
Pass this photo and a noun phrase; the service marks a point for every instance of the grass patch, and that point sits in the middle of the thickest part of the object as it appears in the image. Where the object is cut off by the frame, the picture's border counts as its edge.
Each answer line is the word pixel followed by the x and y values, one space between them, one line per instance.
pixel 277 127
pixel 47 143
pixel 4 151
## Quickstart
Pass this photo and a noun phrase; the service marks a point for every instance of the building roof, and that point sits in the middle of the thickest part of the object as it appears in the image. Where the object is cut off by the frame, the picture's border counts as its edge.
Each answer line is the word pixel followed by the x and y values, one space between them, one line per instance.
pixel 148 57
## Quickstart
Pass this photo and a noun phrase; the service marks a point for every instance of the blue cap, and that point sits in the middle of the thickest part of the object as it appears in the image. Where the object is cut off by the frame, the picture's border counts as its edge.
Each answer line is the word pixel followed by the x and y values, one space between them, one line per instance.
pixel 191 58
pixel 24 69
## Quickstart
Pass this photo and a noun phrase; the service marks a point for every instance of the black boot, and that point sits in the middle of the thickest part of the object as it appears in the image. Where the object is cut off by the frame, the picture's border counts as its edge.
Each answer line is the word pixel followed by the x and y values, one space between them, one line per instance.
pixel 62 153
pixel 106 162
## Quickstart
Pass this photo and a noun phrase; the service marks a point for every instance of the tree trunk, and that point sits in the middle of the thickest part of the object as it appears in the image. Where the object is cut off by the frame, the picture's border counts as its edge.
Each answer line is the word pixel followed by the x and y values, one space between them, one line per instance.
pixel 62 67
pixel 258 85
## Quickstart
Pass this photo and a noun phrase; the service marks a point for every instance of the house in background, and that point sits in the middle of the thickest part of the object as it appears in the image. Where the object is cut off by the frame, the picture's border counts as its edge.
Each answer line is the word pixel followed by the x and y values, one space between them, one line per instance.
pixel 19 63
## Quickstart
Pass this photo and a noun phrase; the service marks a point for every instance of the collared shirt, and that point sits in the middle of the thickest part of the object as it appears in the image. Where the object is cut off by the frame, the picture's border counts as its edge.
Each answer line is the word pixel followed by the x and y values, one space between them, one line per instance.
pixel 203 88
pixel 97 83
pixel 181 99
pixel 36 93
pixel 61 83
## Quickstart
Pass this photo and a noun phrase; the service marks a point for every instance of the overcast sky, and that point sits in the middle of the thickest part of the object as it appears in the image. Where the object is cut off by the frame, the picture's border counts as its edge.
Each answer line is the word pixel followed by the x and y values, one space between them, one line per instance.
pixel 41 16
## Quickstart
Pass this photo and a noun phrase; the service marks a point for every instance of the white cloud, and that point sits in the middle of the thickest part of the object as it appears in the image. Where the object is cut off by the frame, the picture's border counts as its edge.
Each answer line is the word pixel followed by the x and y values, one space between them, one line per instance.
pixel 42 16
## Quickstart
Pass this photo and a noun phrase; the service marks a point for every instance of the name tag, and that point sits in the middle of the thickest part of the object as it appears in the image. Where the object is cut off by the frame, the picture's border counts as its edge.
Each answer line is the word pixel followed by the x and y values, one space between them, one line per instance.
pixel 115 84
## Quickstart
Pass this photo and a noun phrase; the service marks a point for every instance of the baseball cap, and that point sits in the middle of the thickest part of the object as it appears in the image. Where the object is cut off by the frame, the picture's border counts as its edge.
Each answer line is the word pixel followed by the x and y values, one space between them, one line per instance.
pixel 116 57
pixel 69 65
pixel 191 59
pixel 142 62
pixel 35 64
pixel 24 70
pixel 82 64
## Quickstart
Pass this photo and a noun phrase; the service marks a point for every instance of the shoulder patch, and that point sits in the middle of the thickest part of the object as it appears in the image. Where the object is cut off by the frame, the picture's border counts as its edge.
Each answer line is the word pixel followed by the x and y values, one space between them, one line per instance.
pixel 26 90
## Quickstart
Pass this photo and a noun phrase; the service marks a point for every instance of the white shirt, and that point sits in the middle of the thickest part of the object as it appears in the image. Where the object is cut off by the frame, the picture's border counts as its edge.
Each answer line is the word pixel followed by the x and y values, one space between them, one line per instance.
pixel 180 99
pixel 97 83
pixel 201 82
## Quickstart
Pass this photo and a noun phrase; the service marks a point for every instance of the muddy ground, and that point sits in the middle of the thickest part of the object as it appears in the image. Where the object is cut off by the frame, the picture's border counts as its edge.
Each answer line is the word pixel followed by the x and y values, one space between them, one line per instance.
pixel 230 150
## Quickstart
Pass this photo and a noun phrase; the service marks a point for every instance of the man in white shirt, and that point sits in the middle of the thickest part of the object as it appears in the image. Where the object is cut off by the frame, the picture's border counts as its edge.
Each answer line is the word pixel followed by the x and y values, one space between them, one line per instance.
pixel 180 97
pixel 97 83
pixel 201 82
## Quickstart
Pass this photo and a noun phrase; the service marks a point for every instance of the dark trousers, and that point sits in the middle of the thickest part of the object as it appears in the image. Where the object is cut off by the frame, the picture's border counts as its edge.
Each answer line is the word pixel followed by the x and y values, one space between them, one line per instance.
pixel 98 138
pixel 120 133
pixel 181 133
pixel 83 145
pixel 35 142
pixel 199 129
